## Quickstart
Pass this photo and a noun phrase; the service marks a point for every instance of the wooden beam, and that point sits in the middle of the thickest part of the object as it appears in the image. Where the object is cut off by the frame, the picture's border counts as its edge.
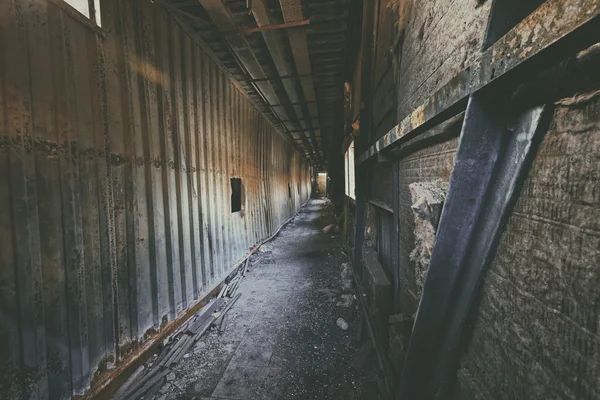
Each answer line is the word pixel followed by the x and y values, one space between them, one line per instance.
pixel 280 78
pixel 273 27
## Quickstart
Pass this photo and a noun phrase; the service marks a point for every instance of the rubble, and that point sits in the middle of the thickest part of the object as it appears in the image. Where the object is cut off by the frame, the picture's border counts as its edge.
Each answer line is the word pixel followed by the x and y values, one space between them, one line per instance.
pixel 341 322
pixel 328 228
pixel 147 382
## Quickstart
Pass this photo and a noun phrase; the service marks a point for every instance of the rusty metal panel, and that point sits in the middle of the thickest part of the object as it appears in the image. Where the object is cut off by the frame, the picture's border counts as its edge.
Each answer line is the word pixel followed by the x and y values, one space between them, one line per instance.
pixel 199 85
pixel 192 167
pixel 116 153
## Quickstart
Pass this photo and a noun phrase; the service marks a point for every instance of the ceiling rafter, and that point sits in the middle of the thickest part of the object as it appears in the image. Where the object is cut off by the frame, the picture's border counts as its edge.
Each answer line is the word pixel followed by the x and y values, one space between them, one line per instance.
pixel 225 22
pixel 269 70
pixel 263 18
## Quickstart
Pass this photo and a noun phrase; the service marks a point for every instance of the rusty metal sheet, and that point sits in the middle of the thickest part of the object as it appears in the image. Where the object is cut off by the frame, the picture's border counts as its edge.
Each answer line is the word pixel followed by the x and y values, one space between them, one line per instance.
pixel 115 157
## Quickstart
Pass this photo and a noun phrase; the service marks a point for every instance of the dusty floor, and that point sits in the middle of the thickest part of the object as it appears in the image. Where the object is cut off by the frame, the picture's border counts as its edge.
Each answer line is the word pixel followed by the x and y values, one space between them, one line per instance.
pixel 281 340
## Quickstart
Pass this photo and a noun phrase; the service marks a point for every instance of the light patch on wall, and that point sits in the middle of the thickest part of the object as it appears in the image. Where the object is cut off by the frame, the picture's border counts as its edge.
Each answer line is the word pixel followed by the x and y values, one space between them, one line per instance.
pixel 148 71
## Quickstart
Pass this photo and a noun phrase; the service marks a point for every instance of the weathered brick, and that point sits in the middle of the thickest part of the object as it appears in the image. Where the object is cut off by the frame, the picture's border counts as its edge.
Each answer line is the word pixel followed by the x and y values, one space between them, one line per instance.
pixel 536 333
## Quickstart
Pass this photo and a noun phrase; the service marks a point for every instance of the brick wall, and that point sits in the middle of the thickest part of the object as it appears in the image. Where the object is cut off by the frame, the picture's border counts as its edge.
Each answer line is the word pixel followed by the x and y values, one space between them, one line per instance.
pixel 442 38
pixel 536 333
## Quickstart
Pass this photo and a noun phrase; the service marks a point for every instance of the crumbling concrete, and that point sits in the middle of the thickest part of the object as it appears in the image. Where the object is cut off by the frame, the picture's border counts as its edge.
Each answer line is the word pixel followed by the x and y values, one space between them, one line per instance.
pixel 427 202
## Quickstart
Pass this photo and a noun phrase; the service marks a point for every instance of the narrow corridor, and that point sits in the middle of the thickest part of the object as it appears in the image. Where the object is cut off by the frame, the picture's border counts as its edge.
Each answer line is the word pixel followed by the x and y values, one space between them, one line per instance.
pixel 280 339
pixel 299 199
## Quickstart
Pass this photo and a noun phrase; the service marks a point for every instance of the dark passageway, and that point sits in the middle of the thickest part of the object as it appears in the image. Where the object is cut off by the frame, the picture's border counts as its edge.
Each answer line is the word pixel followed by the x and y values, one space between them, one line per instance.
pixel 280 339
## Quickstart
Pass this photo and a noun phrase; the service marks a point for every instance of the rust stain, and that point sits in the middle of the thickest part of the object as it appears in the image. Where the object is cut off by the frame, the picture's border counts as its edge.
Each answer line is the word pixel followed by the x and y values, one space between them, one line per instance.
pixel 135 351
pixel 418 116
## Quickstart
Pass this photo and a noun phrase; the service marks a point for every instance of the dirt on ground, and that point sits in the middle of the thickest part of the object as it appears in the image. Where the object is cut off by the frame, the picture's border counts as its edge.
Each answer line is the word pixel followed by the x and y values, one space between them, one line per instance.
pixel 281 339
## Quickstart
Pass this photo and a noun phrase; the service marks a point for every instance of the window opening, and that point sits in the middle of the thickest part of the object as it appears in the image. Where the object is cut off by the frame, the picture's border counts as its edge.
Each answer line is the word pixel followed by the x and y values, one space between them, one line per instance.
pixel 349 175
pixel 236 195
pixel 87 9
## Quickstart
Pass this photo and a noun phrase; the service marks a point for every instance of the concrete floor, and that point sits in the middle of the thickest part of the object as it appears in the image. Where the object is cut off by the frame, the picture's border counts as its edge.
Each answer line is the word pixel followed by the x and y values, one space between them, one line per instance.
pixel 281 340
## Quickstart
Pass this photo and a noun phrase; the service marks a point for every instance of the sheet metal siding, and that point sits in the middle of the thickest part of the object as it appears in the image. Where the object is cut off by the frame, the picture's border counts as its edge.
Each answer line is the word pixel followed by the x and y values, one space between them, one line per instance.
pixel 115 159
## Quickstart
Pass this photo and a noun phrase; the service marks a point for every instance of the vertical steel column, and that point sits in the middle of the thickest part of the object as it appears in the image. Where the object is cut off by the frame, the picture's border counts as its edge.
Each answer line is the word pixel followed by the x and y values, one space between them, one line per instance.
pixel 362 143
pixel 396 237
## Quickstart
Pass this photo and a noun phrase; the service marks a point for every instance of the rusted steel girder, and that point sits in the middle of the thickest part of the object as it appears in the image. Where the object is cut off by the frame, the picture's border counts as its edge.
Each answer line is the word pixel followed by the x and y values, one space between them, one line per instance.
pixel 556 29
pixel 500 133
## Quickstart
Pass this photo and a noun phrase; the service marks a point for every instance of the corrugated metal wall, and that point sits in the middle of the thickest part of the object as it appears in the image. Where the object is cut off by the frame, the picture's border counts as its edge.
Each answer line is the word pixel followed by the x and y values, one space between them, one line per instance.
pixel 116 154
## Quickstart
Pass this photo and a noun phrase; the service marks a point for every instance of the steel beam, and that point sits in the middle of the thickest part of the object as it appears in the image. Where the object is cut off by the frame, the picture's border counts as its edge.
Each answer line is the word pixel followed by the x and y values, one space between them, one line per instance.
pixel 243 53
pixel 263 18
pixel 500 134
pixel 491 160
pixel 396 238
pixel 556 29
pixel 295 104
pixel 280 78
pixel 292 12
pixel 273 27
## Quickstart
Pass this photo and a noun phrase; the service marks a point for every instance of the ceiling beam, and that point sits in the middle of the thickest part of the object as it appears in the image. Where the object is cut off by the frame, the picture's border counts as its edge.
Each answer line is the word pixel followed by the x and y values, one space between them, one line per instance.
pixel 292 11
pixel 240 48
pixel 295 104
pixel 263 18
pixel 280 78
pixel 271 27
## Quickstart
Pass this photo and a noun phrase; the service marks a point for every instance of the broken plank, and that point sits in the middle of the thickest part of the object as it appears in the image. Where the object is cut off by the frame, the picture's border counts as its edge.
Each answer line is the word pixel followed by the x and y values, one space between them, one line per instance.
pixel 186 346
pixel 130 381
pixel 147 385
pixel 223 290
pixel 181 351
pixel 246 267
pixel 154 389
pixel 175 350
pixel 227 307
pixel 206 313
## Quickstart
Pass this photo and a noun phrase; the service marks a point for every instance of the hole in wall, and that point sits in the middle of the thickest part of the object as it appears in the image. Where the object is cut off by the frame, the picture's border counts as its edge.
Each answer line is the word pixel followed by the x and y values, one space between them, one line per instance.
pixel 236 194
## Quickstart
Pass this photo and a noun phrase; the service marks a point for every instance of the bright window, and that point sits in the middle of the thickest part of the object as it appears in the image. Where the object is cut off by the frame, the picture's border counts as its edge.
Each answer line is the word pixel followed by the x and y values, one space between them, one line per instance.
pixel 349 171
pixel 83 6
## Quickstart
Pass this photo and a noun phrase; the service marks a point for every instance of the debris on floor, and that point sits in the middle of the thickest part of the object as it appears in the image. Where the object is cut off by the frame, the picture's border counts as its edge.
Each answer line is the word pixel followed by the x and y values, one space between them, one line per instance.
pixel 341 322
pixel 146 382
pixel 328 228
pixel 346 300
pixel 277 337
